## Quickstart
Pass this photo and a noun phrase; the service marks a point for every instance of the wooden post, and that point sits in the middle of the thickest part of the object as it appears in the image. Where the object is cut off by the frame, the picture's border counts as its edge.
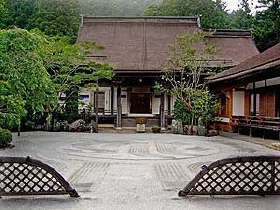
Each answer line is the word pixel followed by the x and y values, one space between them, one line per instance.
pixel 18 130
pixel 254 100
pixel 119 107
pixel 162 111
pixel 96 110
pixel 273 176
pixel 112 100
pixel 168 104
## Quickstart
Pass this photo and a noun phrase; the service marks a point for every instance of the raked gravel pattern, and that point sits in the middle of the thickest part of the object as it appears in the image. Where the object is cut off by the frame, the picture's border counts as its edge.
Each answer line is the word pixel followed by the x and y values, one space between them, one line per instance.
pixel 131 171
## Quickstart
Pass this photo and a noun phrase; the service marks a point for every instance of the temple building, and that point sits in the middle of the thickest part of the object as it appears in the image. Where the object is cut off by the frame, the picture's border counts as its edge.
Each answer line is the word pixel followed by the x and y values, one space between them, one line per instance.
pixel 137 48
pixel 250 94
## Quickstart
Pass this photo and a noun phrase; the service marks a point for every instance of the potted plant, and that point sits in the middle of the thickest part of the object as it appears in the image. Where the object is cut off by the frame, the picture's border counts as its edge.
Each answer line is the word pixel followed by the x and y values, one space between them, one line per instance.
pixel 140 124
pixel 156 129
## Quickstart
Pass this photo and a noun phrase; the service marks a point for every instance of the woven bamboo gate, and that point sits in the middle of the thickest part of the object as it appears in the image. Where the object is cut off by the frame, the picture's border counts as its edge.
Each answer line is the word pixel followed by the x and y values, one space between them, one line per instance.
pixel 251 175
pixel 26 176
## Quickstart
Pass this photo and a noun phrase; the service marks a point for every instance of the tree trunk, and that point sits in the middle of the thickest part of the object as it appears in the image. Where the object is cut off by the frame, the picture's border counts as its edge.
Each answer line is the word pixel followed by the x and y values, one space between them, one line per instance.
pixel 52 122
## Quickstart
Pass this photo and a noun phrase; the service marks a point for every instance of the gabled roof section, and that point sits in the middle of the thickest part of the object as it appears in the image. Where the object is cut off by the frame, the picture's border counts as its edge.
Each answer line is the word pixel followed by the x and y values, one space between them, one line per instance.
pixel 142 43
pixel 265 60
pixel 233 46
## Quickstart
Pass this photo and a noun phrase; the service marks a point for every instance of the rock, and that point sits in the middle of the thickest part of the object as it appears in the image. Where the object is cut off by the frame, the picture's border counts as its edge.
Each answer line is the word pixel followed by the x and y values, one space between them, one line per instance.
pixel 212 133
pixel 190 130
pixel 91 127
pixel 78 126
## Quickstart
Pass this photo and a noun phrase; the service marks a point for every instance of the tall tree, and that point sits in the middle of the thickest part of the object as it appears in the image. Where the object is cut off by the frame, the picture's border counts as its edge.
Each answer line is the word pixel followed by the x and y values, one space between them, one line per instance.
pixel 266 28
pixel 24 81
pixel 114 7
pixel 242 18
pixel 53 17
pixel 213 13
pixel 70 71
pixel 189 59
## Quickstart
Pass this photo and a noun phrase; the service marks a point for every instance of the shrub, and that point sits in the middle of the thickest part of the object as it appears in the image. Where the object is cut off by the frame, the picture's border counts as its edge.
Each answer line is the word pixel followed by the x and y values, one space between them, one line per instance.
pixel 5 137
pixel 181 113
pixel 156 129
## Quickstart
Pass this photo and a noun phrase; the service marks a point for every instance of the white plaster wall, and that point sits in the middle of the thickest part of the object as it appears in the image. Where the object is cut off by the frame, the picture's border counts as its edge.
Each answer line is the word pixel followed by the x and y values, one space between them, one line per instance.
pixel 115 99
pixel 108 99
pixel 155 104
pixel 238 103
pixel 124 102
pixel 273 81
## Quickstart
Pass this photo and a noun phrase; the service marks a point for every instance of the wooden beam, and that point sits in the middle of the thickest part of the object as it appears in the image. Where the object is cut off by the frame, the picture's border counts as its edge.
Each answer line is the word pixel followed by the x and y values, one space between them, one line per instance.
pixel 119 107
pixel 162 113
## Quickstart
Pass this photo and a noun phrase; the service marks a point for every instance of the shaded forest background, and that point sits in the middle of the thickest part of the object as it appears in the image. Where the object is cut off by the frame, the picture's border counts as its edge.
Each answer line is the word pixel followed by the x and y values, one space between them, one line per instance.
pixel 61 17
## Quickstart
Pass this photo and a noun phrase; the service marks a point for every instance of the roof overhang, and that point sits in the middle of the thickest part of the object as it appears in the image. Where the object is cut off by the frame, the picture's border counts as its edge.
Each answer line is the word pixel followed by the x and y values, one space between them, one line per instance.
pixel 266 71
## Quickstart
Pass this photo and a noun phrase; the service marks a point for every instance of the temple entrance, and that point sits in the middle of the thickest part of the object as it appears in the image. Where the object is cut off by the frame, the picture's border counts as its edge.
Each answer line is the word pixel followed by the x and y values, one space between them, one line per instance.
pixel 140 103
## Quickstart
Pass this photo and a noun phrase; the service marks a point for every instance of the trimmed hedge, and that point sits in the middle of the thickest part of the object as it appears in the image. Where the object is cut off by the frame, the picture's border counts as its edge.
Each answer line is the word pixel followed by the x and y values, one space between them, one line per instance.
pixel 5 137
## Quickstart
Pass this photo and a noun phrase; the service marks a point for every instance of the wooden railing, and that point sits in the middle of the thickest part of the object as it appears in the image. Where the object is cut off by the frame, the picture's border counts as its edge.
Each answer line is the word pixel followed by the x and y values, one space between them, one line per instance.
pixel 262 123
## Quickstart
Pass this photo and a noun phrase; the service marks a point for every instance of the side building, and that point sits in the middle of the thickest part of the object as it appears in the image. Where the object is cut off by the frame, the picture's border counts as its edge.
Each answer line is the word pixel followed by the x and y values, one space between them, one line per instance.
pixel 137 48
pixel 249 94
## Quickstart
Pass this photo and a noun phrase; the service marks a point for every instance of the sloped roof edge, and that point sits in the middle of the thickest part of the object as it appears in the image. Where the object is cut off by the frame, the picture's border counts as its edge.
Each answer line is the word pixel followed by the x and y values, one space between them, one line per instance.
pixel 229 32
pixel 165 19
pixel 258 62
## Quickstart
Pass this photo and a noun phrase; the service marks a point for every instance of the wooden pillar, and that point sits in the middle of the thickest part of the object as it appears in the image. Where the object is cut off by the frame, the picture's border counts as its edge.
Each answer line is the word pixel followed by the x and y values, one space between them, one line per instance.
pixel 168 105
pixel 254 100
pixel 119 107
pixel 18 130
pixel 96 110
pixel 112 100
pixel 162 111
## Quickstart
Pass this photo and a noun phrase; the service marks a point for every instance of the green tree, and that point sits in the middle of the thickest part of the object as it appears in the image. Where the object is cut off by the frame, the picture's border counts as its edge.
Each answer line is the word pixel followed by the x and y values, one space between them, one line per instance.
pixel 53 17
pixel 266 29
pixel 114 7
pixel 70 71
pixel 213 13
pixel 2 6
pixel 205 107
pixel 188 61
pixel 24 81
pixel 17 13
pixel 242 18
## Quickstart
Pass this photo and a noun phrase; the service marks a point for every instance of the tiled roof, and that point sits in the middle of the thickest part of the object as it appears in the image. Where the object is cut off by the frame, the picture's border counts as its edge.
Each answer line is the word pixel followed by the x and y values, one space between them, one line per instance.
pixel 266 59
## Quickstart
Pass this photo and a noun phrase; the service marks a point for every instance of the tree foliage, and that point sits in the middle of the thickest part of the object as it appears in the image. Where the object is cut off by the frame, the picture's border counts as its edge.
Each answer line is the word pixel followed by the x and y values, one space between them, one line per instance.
pixel 69 67
pixel 265 23
pixel 24 81
pixel 189 59
pixel 61 17
pixel 36 69
pixel 213 13
pixel 53 17
pixel 114 7
pixel 242 18
pixel 266 27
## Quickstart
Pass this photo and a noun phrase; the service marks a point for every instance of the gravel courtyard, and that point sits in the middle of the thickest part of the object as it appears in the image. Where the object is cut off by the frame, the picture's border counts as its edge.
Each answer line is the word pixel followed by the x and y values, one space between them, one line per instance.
pixel 131 171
